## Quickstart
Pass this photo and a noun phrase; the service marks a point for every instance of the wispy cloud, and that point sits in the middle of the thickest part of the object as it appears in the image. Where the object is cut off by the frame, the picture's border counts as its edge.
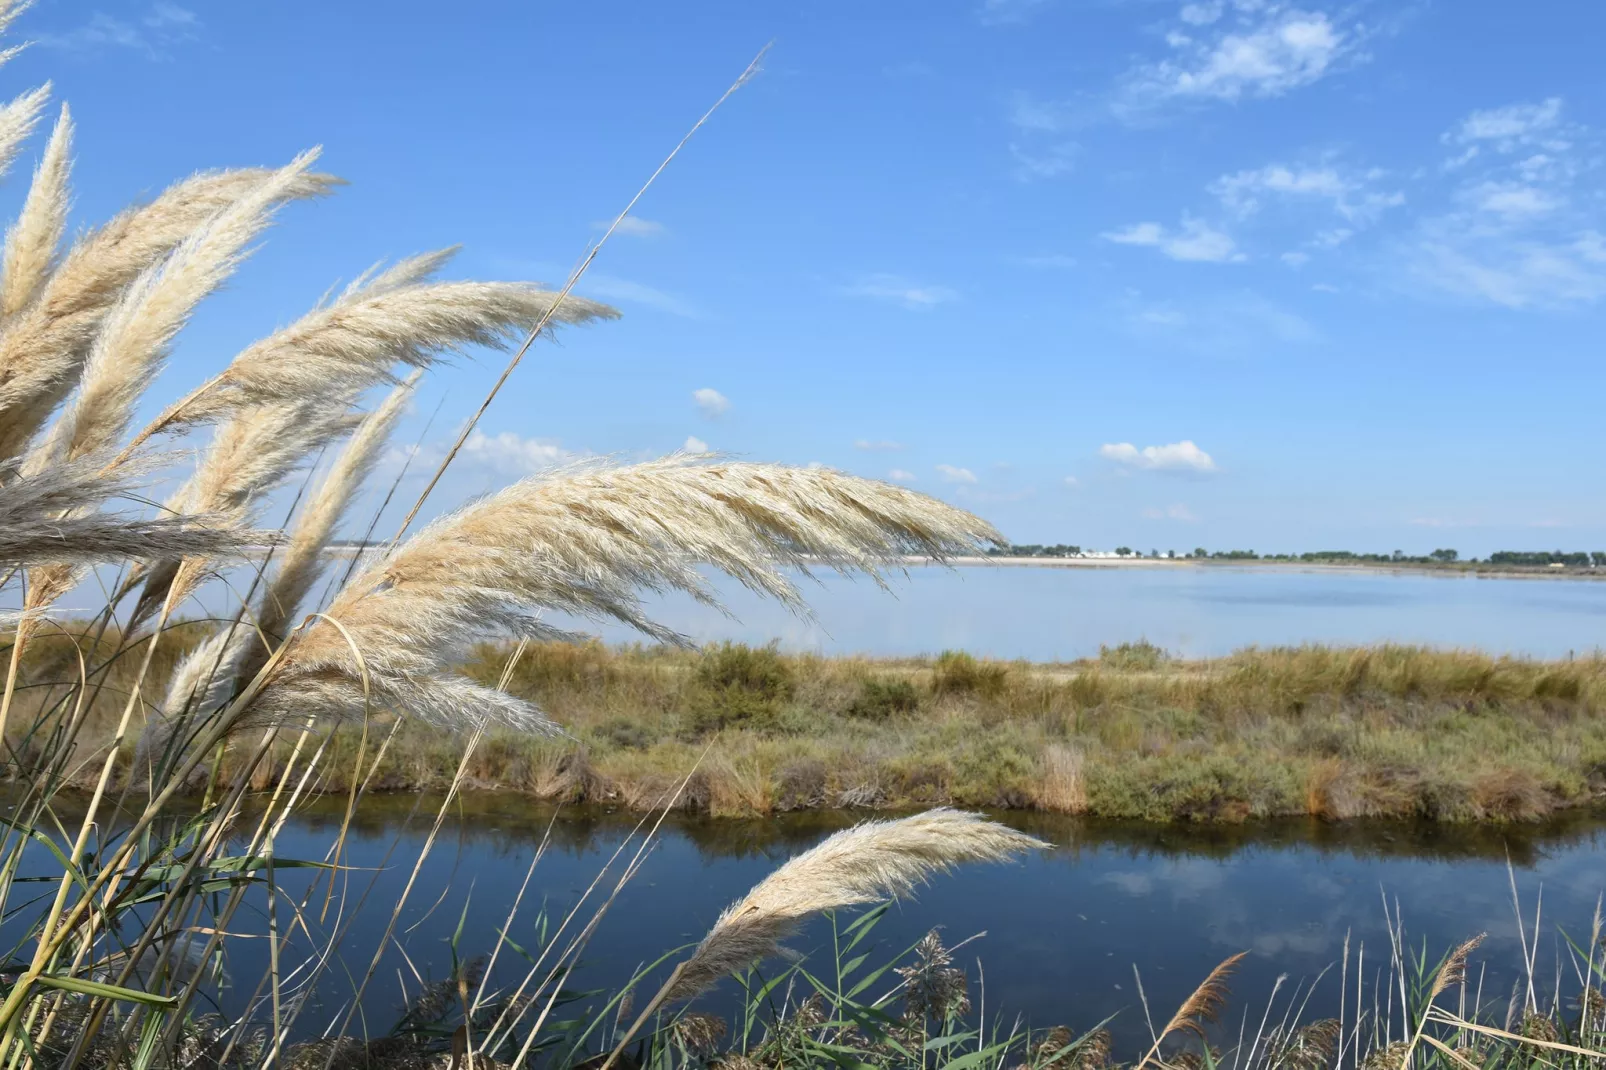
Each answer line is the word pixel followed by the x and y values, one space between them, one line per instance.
pixel 1509 129
pixel 1524 220
pixel 1355 197
pixel 1196 240
pixel 1171 512
pixel 506 454
pixel 1039 148
pixel 1229 324
pixel 952 474
pixel 1242 49
pixel 710 402
pixel 154 33
pixel 877 445
pixel 1181 456
pixel 693 444
pixel 633 226
pixel 612 288
pixel 1045 161
pixel 901 475
pixel 898 290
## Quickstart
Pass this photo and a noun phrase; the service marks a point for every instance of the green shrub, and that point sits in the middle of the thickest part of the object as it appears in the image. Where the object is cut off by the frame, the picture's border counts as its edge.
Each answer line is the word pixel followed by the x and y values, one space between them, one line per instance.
pixel 881 700
pixel 736 684
pixel 760 671
pixel 958 673
pixel 1141 656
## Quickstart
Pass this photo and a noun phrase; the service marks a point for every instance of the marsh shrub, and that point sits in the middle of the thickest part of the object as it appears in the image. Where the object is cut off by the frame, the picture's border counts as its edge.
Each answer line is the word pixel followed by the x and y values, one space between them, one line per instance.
pixel 882 700
pixel 1141 656
pixel 736 684
pixel 958 673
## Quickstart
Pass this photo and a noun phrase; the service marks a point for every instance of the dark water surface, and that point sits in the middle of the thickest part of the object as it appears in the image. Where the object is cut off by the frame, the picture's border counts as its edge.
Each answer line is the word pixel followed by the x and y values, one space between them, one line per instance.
pixel 1063 929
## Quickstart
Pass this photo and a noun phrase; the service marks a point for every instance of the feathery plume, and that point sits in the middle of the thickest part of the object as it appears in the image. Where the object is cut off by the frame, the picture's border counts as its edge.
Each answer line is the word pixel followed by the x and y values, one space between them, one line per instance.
pixel 301 559
pixel 250 456
pixel 407 272
pixel 33 239
pixel 43 347
pixel 351 345
pixel 1203 1006
pixel 585 540
pixel 18 117
pixel 864 864
pixel 139 329
pixel 32 529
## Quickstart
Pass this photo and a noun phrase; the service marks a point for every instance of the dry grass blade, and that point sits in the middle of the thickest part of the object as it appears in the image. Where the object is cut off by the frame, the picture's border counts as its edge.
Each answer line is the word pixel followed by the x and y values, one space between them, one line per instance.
pixel 586 540
pixel 43 346
pixel 864 864
pixel 1203 1006
pixel 32 241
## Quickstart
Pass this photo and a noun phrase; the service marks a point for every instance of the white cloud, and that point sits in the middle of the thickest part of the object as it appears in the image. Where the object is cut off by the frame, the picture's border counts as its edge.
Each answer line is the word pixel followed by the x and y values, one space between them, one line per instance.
pixel 1512 199
pixel 633 226
pixel 1049 161
pixel 1522 225
pixel 877 445
pixel 1196 241
pixel 512 454
pixel 1232 324
pixel 919 298
pixel 1267 48
pixel 612 288
pixel 1295 258
pixel 950 474
pixel 1072 481
pixel 1171 512
pixel 1324 288
pixel 1181 456
pixel 1514 272
pixel 710 402
pixel 693 444
pixel 1349 195
pixel 163 25
pixel 1512 127
pixel 901 475
pixel 1201 14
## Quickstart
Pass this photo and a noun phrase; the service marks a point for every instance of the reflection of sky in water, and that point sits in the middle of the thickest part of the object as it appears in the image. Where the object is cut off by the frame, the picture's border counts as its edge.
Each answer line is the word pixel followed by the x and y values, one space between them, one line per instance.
pixel 1063 931
pixel 1054 613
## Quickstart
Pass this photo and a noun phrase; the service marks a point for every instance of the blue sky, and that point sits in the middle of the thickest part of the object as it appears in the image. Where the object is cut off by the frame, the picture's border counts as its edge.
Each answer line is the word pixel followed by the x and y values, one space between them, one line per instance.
pixel 1237 273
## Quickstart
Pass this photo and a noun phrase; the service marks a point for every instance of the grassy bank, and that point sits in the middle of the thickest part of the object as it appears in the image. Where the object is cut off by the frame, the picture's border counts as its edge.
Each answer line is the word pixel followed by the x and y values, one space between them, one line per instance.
pixel 1399 732
pixel 1337 733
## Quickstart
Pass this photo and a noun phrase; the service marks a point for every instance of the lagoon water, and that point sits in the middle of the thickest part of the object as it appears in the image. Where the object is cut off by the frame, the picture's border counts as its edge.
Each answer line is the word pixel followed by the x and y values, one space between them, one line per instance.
pixel 1063 930
pixel 1048 613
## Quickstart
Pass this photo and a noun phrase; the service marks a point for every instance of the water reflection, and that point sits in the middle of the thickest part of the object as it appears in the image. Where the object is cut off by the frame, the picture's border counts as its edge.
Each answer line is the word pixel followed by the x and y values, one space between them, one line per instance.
pixel 1064 930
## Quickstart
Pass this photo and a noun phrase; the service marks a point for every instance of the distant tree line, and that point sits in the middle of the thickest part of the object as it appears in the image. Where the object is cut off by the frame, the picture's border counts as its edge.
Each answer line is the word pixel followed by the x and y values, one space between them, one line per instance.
pixel 1516 558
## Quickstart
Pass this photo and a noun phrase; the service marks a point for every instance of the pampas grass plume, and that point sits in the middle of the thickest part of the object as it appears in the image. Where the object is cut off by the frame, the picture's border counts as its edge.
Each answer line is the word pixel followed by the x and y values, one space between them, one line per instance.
pixel 865 864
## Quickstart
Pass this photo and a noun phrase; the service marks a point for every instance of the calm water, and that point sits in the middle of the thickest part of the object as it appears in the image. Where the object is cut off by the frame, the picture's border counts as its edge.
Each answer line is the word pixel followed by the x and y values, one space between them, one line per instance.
pixel 1063 930
pixel 1063 613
